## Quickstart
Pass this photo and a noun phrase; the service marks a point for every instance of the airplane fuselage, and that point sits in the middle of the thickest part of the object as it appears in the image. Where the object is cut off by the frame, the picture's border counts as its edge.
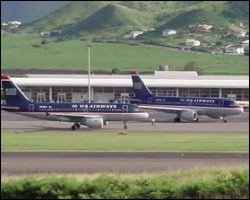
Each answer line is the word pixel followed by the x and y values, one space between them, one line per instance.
pixel 187 108
pixel 213 107
pixel 94 115
pixel 49 111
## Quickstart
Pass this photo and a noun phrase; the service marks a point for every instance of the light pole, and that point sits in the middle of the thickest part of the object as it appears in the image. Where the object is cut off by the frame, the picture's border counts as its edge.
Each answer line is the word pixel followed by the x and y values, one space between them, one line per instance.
pixel 89 73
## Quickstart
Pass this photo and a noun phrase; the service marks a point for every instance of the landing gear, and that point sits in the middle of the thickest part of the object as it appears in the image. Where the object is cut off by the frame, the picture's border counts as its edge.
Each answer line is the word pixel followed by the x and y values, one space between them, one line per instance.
pixel 177 119
pixel 75 126
pixel 223 119
pixel 125 125
pixel 197 119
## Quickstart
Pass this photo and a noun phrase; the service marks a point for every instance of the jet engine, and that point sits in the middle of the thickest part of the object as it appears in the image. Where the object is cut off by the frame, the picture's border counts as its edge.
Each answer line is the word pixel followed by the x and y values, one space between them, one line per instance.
pixel 190 115
pixel 94 122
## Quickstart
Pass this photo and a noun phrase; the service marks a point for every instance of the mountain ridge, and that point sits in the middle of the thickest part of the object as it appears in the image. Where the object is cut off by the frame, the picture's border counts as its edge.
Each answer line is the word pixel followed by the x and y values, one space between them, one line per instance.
pixel 120 17
pixel 140 14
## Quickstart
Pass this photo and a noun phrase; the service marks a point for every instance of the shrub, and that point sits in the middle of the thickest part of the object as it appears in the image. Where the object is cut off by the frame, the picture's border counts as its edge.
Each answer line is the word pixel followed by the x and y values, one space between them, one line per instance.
pixel 233 185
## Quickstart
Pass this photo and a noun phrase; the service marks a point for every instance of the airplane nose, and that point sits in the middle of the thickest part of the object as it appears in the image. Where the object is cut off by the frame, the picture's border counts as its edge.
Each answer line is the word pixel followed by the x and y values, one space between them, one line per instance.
pixel 241 110
pixel 146 115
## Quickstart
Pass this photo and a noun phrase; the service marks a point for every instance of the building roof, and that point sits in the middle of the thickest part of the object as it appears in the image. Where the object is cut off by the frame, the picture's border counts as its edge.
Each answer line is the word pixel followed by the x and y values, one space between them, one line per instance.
pixel 160 79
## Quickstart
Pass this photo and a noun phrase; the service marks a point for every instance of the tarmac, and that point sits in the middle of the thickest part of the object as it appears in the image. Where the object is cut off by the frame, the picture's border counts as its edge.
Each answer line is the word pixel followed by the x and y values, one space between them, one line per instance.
pixel 116 162
pixel 125 162
pixel 163 122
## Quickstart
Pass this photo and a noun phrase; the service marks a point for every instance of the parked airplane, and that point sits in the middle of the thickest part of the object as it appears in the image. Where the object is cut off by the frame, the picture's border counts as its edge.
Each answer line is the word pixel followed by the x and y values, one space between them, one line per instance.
pixel 93 115
pixel 186 108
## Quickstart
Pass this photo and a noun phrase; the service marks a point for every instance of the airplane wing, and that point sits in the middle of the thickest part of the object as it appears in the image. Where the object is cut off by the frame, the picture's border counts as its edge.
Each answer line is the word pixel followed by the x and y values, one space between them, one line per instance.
pixel 91 120
pixel 185 113
pixel 73 116
pixel 165 109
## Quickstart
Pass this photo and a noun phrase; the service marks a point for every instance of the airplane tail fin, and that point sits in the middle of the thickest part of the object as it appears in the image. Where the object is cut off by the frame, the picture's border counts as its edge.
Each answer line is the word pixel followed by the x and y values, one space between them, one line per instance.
pixel 13 94
pixel 140 89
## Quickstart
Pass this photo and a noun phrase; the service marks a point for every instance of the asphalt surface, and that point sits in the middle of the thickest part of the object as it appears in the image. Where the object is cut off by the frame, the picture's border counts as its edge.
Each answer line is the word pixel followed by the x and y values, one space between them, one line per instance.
pixel 164 122
pixel 125 162
pixel 118 162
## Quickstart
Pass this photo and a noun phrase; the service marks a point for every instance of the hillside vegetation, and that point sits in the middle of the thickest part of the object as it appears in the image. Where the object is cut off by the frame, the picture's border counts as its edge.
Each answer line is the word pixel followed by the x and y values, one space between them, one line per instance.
pixel 111 17
pixel 64 34
pixel 26 52
pixel 91 16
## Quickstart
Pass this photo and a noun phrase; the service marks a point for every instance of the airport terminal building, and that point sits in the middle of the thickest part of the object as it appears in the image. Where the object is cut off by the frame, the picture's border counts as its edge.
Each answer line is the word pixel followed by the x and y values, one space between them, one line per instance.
pixel 118 88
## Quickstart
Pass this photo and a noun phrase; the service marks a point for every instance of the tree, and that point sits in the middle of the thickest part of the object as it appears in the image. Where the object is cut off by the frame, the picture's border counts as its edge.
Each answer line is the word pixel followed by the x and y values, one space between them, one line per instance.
pixel 44 41
pixel 163 68
pixel 192 66
pixel 115 71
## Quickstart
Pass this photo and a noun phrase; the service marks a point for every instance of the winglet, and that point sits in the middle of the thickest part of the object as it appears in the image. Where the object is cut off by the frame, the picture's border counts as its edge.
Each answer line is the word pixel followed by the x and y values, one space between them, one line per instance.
pixel 5 77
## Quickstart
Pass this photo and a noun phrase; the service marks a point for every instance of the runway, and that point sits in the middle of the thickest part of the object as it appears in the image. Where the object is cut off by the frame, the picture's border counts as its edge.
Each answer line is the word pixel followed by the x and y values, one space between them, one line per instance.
pixel 164 122
pixel 124 162
pixel 118 162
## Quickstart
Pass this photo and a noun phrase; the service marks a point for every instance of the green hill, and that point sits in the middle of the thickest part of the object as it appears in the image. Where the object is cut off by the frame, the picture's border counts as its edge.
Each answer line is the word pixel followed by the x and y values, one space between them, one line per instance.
pixel 237 10
pixel 65 17
pixel 107 22
pixel 219 14
pixel 112 17
pixel 195 16
pixel 124 16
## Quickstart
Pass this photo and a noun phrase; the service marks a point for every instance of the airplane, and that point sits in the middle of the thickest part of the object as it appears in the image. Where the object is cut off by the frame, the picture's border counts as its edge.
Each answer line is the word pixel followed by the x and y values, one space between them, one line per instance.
pixel 93 115
pixel 186 108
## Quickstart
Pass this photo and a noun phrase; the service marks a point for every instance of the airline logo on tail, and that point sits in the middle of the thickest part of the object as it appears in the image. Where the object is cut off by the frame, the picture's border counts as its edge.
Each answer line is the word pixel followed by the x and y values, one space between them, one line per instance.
pixel 137 86
pixel 10 91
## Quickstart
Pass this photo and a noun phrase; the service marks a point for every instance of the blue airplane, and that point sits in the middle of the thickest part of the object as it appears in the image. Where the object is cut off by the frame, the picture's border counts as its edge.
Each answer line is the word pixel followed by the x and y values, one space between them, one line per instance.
pixel 186 108
pixel 93 115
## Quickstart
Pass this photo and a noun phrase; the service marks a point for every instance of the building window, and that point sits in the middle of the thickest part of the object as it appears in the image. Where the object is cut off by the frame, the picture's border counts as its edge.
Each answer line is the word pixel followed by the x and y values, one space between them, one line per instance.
pixel 225 92
pixel 61 97
pixel 166 91
pixel 60 90
pixel 214 92
pixel 183 92
pixel 245 93
pixel 194 92
pixel 236 94
pixel 40 94
pixel 204 92
pixel 40 97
